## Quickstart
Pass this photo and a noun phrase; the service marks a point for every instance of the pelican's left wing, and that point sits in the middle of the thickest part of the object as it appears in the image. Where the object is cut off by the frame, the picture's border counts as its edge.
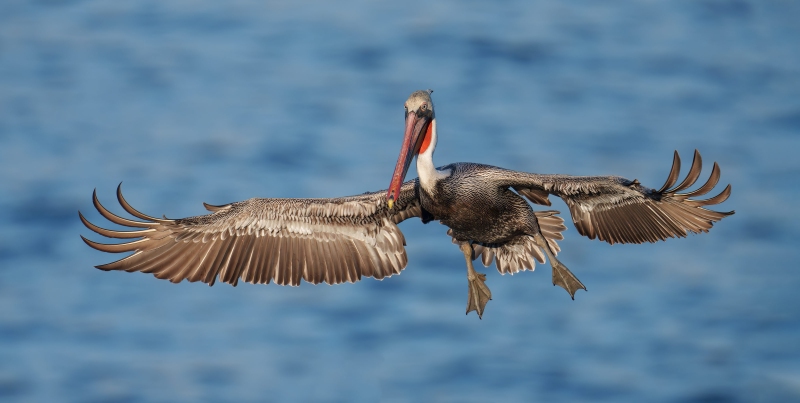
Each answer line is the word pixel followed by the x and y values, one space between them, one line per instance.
pixel 263 240
pixel 618 210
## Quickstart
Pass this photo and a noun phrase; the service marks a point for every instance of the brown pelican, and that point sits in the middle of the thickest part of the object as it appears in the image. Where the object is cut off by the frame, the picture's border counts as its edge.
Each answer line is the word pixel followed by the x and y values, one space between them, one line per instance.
pixel 342 239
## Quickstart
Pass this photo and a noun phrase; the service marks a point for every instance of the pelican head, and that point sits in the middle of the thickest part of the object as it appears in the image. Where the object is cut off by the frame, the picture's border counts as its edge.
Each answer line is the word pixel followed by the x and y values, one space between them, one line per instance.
pixel 417 137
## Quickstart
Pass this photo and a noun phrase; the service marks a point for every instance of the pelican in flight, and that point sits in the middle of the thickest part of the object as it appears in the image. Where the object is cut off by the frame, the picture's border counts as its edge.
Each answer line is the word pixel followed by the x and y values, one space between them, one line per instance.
pixel 342 239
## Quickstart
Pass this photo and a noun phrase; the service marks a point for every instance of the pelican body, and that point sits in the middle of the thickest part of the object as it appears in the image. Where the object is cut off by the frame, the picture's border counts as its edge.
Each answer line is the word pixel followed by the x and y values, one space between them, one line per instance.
pixel 486 208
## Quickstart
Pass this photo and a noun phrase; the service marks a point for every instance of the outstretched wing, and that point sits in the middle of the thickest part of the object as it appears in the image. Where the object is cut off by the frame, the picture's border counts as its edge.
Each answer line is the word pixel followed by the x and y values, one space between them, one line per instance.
pixel 263 240
pixel 618 210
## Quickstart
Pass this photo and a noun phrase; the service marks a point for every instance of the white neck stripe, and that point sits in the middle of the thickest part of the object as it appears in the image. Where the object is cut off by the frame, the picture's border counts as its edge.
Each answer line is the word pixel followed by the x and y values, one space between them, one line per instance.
pixel 428 174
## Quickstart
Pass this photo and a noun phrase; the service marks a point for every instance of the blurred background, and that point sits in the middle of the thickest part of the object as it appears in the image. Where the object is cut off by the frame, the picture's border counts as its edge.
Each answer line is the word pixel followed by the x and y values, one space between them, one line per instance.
pixel 203 101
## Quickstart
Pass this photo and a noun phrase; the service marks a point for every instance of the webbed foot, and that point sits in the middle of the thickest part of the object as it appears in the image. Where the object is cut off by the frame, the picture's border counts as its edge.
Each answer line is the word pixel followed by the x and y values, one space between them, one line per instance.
pixel 565 279
pixel 561 275
pixel 479 293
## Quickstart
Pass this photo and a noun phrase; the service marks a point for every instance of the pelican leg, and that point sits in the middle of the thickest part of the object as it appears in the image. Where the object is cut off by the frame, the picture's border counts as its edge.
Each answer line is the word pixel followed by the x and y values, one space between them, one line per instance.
pixel 561 275
pixel 479 293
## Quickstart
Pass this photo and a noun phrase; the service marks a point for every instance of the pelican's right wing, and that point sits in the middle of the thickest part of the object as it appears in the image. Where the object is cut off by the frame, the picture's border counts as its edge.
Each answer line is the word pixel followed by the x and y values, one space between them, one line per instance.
pixel 619 210
pixel 263 240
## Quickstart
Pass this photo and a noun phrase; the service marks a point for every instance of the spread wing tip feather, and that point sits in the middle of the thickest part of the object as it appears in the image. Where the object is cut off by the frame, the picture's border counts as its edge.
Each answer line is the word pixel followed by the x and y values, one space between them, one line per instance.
pixel 132 211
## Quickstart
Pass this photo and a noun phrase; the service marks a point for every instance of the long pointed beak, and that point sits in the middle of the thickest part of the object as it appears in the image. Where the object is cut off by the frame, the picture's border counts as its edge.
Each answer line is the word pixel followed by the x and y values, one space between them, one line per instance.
pixel 415 126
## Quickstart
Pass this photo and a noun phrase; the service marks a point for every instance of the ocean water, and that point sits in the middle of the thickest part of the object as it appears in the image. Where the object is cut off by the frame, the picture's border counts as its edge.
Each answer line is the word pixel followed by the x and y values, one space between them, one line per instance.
pixel 193 101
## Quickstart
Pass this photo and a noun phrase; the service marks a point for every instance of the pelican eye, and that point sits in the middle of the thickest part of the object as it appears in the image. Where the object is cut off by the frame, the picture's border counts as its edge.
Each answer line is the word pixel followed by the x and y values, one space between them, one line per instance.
pixel 424 107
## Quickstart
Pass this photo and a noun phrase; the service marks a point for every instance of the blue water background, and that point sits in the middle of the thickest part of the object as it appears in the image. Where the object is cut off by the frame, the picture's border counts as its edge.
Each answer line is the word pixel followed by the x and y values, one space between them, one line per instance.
pixel 192 101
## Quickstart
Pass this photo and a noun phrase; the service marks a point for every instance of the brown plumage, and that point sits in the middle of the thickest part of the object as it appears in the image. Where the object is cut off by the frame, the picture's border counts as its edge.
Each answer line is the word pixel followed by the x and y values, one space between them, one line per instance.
pixel 266 240
pixel 342 239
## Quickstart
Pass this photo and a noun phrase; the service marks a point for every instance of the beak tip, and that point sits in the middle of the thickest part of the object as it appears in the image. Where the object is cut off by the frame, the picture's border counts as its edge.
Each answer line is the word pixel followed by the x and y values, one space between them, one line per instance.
pixel 391 202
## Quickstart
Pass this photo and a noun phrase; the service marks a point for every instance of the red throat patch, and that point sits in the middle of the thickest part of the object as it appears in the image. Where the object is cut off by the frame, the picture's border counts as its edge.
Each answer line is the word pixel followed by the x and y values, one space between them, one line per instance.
pixel 426 141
